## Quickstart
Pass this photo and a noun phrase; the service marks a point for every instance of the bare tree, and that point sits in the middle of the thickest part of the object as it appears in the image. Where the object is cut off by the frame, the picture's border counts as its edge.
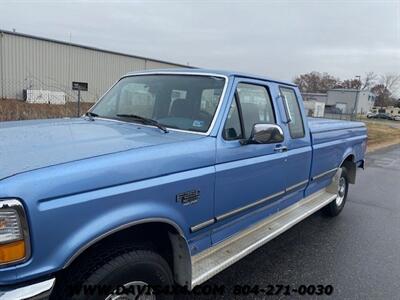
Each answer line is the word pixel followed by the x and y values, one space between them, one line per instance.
pixel 350 84
pixel 369 80
pixel 391 82
pixel 386 89
pixel 382 95
pixel 364 83
pixel 316 82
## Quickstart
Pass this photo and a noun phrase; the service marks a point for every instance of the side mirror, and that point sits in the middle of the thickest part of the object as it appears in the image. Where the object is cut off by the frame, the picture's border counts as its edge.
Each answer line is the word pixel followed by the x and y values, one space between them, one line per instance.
pixel 265 134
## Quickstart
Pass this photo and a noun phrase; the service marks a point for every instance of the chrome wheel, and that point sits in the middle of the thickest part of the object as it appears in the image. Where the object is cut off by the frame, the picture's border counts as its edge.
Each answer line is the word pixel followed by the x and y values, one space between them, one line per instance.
pixel 341 191
pixel 135 290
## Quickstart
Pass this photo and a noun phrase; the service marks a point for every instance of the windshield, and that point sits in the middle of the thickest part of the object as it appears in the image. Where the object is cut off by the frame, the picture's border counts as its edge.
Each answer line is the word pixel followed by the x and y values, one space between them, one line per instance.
pixel 186 102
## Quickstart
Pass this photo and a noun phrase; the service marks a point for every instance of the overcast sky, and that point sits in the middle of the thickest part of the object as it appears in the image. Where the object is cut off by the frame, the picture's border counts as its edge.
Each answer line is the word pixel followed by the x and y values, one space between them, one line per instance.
pixel 276 38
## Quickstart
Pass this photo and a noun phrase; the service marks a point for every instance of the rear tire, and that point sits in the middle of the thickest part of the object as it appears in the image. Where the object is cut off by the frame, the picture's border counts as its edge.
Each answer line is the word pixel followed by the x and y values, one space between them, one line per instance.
pixel 336 206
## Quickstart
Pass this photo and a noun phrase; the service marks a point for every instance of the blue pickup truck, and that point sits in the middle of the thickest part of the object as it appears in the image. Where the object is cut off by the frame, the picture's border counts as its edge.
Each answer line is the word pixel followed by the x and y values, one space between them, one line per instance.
pixel 171 177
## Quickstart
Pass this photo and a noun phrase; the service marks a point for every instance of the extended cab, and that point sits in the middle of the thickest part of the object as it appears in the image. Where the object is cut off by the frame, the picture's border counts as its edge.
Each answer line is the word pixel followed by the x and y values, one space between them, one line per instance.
pixel 170 178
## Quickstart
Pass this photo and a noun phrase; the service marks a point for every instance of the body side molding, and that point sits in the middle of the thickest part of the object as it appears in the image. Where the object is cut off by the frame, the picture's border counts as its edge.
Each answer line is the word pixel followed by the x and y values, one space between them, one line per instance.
pixel 217 258
pixel 324 174
pixel 202 225
pixel 240 209
pixel 297 185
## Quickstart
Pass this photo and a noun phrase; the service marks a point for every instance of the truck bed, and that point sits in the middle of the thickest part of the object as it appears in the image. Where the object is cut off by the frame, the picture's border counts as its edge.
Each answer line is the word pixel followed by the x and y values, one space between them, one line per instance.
pixel 317 125
pixel 332 142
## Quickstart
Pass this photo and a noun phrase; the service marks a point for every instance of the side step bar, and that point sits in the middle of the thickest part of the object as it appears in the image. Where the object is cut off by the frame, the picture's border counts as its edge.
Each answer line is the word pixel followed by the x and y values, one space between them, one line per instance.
pixel 217 258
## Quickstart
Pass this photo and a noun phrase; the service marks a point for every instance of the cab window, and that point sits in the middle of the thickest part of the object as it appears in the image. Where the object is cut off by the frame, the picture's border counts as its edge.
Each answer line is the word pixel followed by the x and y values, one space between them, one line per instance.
pixel 296 126
pixel 252 105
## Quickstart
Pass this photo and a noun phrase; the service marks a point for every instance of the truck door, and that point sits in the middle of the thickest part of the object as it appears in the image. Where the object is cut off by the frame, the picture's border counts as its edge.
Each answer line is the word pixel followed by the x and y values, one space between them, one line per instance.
pixel 249 178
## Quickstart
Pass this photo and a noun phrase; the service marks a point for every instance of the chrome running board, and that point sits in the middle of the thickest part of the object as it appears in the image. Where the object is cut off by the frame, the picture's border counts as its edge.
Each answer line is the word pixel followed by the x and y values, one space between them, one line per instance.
pixel 217 258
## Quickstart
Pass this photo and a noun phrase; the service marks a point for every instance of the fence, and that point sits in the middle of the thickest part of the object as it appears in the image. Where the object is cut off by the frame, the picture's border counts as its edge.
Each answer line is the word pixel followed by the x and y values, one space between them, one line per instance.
pixel 34 98
pixel 339 116
pixel 12 110
pixel 16 89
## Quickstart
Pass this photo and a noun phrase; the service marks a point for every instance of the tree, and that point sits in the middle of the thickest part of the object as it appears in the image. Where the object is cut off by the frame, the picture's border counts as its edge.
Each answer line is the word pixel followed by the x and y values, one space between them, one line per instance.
pixel 385 87
pixel 350 84
pixel 369 80
pixel 385 90
pixel 382 95
pixel 391 82
pixel 315 82
pixel 366 83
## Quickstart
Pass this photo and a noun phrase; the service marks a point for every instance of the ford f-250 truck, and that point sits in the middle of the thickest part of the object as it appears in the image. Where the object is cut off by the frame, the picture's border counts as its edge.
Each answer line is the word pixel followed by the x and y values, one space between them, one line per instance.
pixel 170 178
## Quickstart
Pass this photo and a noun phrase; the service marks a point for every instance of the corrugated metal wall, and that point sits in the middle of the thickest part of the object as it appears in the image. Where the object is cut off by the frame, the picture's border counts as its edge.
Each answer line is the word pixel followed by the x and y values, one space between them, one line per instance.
pixel 32 63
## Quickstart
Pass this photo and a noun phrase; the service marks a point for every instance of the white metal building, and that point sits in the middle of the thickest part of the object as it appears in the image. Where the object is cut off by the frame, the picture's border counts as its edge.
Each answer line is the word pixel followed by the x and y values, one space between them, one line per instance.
pixel 351 100
pixel 318 97
pixel 35 63
pixel 345 101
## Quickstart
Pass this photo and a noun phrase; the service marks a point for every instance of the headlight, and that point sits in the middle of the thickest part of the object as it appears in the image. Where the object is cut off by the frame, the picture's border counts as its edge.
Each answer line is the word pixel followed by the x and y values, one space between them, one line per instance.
pixel 14 234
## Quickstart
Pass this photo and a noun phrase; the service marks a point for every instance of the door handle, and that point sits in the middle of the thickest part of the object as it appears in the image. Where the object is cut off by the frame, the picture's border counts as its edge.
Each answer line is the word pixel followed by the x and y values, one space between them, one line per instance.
pixel 281 149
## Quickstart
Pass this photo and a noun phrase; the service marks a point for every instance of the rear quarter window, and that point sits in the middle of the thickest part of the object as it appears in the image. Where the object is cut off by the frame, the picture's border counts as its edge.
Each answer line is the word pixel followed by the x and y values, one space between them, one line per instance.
pixel 296 126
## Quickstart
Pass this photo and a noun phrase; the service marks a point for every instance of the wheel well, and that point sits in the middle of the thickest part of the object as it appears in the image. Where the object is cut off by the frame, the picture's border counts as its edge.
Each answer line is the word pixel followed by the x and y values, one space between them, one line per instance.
pixel 159 237
pixel 351 168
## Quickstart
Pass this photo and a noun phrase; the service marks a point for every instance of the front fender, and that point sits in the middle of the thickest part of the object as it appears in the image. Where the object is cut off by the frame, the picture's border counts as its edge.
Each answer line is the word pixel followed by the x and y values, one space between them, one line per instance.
pixel 121 219
pixel 63 227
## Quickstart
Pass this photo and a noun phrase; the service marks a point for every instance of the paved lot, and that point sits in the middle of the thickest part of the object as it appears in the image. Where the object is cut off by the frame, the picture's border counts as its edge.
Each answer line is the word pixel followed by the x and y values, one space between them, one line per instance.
pixel 358 253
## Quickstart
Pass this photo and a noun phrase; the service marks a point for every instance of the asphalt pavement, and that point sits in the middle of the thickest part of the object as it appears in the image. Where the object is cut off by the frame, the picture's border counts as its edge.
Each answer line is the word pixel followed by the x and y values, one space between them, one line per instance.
pixel 357 253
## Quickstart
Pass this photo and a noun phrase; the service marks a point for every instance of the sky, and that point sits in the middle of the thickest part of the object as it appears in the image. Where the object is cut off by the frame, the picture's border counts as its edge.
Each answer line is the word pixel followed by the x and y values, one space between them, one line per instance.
pixel 279 39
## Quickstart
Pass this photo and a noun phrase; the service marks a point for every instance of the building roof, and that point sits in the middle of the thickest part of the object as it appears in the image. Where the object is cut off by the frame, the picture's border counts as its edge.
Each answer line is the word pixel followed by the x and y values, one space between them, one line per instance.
pixel 186 67
pixel 88 47
pixel 216 72
pixel 351 91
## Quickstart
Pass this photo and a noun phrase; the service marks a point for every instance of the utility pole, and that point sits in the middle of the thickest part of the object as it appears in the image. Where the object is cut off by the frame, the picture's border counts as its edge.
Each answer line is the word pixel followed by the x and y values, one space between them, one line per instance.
pixel 357 96
pixel 79 101
pixel 1 66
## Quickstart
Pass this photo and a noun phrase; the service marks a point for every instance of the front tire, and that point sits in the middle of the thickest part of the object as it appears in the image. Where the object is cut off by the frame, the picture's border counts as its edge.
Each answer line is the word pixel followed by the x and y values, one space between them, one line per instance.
pixel 129 275
pixel 336 206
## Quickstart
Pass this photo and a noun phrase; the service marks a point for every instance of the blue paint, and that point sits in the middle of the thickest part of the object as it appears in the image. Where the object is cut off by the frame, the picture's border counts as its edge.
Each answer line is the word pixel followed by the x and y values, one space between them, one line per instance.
pixel 78 179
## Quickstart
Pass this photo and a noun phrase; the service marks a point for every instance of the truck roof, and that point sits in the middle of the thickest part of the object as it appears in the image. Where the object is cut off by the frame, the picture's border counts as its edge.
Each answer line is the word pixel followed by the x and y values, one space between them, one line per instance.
pixel 217 72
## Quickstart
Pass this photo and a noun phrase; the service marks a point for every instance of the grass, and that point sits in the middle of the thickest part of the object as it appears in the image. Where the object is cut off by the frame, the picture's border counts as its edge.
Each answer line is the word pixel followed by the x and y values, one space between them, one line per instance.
pixel 11 110
pixel 382 134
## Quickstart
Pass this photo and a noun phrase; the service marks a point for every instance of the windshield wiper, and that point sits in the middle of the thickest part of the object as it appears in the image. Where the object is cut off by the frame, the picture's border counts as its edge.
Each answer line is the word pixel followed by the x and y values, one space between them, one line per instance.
pixel 144 120
pixel 91 115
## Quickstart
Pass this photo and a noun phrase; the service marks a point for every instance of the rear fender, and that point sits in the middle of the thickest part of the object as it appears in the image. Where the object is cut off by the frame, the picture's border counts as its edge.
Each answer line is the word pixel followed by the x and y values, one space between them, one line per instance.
pixel 349 163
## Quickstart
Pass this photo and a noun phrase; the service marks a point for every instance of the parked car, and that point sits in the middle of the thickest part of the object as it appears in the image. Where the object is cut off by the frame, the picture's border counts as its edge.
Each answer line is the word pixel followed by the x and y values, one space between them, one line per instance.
pixel 396 118
pixel 169 179
pixel 371 114
pixel 382 116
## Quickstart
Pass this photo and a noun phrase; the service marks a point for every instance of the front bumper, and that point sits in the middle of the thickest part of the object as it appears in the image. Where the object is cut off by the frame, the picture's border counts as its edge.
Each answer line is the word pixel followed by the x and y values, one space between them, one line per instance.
pixel 35 291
